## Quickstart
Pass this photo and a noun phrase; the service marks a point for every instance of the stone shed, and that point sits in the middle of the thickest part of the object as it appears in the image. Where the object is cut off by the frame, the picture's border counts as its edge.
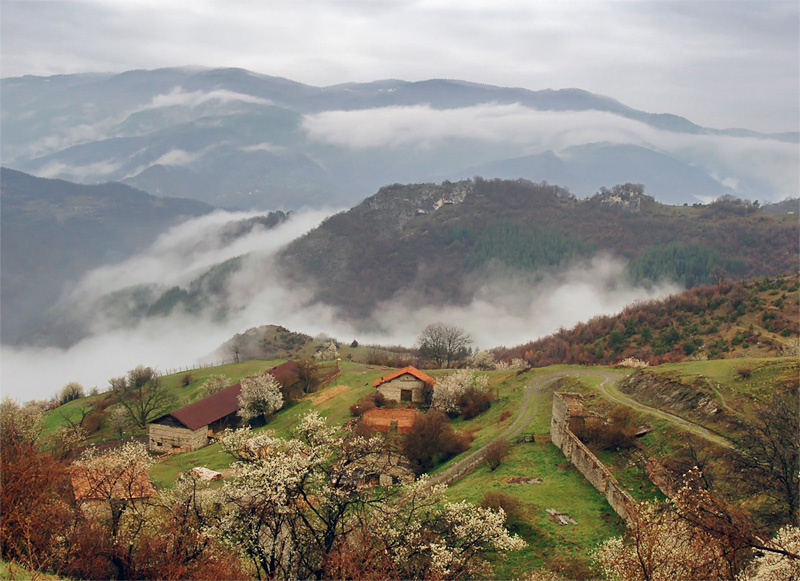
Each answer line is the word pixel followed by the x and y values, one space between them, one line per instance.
pixel 406 385
pixel 189 427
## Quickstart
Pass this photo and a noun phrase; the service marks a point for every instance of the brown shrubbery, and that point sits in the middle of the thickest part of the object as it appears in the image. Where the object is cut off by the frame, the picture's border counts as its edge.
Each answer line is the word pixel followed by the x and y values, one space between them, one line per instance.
pixel 432 441
pixel 366 403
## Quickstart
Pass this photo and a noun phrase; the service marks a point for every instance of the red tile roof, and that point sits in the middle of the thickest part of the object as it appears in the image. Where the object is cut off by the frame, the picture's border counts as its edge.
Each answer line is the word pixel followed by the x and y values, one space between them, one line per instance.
pixel 410 369
pixel 210 409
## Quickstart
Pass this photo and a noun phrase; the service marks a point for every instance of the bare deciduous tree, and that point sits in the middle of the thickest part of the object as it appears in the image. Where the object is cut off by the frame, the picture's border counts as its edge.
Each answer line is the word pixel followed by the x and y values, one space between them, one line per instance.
pixel 142 394
pixel 769 451
pixel 444 344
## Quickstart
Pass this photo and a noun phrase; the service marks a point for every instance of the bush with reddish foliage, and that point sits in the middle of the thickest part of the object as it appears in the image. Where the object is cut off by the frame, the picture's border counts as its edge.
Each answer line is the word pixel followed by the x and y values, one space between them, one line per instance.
pixel 432 440
pixel 366 403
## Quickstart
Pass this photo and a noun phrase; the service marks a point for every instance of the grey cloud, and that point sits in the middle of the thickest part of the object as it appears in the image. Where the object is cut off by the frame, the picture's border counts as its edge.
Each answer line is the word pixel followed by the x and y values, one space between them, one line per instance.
pixel 721 64
pixel 728 158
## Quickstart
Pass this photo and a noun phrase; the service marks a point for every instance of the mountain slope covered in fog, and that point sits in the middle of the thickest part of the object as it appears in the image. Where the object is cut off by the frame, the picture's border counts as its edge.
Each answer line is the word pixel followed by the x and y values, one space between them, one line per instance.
pixel 55 231
pixel 441 244
pixel 242 140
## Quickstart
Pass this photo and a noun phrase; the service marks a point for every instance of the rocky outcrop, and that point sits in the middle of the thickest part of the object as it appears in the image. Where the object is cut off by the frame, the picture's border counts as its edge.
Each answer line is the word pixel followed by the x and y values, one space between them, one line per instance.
pixel 695 399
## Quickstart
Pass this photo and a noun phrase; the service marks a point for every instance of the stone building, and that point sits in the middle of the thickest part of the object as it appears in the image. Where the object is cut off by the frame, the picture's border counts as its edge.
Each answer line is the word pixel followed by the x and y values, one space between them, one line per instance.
pixel 406 385
pixel 189 427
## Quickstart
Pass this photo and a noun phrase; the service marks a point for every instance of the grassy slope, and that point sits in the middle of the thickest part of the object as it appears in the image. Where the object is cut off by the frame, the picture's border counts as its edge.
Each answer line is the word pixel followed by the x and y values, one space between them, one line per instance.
pixel 565 549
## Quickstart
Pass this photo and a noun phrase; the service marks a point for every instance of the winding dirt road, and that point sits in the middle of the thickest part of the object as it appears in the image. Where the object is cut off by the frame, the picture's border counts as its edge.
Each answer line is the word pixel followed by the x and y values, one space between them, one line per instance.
pixel 540 384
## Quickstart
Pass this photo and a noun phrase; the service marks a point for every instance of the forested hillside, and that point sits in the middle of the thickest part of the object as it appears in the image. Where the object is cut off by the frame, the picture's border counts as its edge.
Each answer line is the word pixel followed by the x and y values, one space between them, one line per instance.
pixel 54 231
pixel 755 318
pixel 442 241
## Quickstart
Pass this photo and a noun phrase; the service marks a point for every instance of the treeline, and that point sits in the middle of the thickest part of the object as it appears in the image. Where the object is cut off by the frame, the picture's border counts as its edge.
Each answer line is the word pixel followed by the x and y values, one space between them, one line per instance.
pixel 707 322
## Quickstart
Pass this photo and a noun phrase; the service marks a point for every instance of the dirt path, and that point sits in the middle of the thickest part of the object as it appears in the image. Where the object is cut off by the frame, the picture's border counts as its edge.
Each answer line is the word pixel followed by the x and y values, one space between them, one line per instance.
pixel 614 394
pixel 522 420
pixel 540 384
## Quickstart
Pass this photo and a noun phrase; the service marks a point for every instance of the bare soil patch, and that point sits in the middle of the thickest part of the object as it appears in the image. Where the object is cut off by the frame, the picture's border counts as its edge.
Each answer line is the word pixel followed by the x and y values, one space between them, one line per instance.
pixel 329 393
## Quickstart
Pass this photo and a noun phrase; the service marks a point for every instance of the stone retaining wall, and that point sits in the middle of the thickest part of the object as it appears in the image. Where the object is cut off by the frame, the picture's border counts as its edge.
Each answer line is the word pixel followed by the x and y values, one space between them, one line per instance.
pixel 565 405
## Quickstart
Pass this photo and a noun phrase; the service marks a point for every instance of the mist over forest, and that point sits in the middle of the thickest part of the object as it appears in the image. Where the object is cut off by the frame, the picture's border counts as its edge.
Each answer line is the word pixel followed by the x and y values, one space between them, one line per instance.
pixel 508 308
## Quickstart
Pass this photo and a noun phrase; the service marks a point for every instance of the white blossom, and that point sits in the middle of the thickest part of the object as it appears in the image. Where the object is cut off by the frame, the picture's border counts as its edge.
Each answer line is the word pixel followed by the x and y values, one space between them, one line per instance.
pixel 448 391
pixel 260 396
pixel 770 566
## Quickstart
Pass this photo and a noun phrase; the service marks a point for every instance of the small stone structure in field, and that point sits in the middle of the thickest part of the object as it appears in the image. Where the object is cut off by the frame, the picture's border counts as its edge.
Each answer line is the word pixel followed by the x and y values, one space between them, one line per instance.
pixel 567 408
pixel 390 420
pixel 406 385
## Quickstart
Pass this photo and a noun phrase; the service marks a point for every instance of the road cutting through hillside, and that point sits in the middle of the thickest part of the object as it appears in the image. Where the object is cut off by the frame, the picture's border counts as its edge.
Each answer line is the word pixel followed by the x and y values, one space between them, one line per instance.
pixel 612 393
pixel 541 383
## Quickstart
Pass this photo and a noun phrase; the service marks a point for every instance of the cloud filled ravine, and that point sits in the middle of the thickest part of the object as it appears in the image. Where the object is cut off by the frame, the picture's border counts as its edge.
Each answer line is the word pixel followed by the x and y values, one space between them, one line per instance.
pixel 508 308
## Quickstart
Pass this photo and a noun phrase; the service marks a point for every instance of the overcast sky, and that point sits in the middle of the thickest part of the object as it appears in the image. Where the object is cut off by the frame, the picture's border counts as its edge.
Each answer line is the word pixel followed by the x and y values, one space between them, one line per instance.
pixel 730 63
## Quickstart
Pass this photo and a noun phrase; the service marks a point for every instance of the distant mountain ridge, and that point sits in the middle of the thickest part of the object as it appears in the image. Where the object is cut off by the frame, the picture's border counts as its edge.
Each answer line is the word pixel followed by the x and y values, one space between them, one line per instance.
pixel 54 231
pixel 238 139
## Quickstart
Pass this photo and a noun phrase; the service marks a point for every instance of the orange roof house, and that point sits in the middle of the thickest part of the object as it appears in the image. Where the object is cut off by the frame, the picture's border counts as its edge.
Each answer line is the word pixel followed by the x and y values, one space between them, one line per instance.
pixel 407 384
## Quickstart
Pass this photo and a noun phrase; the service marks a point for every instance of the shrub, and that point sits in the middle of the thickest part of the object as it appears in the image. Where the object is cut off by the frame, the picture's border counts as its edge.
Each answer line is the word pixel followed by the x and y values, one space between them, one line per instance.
pixel 744 372
pixel 94 421
pixel 496 452
pixel 510 505
pixel 431 441
pixel 186 379
pixel 366 403
pixel 474 402
pixel 361 406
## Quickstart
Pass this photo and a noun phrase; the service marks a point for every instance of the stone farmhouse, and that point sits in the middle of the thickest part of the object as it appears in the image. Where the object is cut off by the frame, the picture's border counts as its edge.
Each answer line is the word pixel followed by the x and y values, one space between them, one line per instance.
pixel 405 385
pixel 189 427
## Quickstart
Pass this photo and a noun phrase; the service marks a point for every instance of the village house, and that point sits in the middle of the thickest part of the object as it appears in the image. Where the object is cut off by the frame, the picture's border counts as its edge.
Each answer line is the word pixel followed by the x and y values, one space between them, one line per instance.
pixel 189 427
pixel 405 385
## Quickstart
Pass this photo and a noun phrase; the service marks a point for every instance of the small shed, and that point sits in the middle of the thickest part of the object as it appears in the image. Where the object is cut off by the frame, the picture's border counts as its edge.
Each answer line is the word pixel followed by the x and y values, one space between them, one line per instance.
pixel 406 385
pixel 189 427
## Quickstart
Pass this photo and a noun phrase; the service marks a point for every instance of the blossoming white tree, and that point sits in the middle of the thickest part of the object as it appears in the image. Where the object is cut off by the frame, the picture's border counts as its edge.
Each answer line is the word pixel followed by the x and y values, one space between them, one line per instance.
pixel 302 509
pixel 449 390
pixel 260 396
pixel 214 384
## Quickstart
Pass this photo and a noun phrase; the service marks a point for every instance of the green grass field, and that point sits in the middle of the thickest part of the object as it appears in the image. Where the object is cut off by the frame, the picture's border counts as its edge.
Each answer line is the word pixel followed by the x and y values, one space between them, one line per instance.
pixel 560 548
pixel 564 549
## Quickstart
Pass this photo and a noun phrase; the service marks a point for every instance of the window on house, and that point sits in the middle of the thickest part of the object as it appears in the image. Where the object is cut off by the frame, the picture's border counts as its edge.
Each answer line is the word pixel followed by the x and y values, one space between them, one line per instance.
pixel 405 394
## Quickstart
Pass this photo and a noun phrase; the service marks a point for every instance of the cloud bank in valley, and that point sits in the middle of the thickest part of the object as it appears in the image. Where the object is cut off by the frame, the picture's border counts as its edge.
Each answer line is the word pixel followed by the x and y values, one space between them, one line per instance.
pixel 730 159
pixel 508 310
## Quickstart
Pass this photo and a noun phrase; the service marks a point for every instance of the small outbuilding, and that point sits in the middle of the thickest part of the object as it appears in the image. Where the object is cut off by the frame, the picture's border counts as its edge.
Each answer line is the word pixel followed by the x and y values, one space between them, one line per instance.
pixel 405 385
pixel 189 427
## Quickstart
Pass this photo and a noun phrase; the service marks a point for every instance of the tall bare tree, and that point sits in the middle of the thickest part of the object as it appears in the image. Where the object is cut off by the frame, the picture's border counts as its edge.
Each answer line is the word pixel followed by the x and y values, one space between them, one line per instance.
pixel 444 344
pixel 142 394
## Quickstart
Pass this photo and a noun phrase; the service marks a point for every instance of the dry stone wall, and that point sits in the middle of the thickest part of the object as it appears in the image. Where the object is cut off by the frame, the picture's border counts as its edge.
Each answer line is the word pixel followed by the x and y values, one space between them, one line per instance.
pixel 564 405
pixel 164 438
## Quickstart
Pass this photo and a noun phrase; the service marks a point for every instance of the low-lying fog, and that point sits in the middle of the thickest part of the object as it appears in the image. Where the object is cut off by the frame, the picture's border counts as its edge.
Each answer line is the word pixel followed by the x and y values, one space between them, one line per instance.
pixel 510 310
